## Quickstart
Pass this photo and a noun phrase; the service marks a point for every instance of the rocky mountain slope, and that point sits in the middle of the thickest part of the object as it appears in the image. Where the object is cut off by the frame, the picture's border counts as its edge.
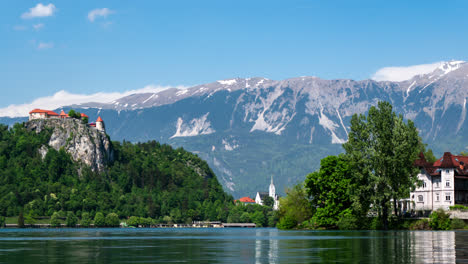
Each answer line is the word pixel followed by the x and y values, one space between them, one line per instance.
pixel 84 144
pixel 250 129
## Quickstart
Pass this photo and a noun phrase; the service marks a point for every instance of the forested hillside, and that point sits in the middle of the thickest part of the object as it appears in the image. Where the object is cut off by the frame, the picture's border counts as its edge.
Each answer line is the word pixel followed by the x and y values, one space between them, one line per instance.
pixel 144 179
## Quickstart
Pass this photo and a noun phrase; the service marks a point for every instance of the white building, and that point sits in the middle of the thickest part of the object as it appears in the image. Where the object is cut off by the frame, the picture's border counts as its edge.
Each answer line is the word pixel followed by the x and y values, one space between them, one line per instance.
pixel 271 193
pixel 42 114
pixel 444 183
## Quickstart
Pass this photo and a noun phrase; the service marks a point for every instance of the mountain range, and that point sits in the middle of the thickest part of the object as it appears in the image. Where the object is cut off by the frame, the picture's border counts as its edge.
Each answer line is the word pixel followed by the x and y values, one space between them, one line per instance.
pixel 251 129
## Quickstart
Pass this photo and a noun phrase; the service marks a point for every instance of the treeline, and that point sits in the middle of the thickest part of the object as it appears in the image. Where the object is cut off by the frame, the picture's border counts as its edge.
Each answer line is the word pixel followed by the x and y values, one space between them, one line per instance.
pixel 145 180
pixel 360 188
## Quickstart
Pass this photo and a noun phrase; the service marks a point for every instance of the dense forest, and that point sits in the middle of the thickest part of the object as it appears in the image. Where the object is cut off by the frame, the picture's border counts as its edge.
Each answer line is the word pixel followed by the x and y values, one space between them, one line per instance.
pixel 145 180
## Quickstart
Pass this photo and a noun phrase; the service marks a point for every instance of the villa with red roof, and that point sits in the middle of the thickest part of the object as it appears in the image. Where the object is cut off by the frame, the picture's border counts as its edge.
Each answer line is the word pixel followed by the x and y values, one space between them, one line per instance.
pixel 245 200
pixel 444 183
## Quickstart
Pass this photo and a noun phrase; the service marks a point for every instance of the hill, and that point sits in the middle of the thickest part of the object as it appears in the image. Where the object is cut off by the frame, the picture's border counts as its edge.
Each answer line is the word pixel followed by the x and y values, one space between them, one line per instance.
pixel 39 176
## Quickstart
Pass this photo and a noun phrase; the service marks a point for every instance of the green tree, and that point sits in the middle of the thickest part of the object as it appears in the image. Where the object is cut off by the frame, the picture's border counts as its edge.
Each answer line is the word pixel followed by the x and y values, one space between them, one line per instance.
pixel 133 221
pixel 268 201
pixel 85 220
pixel 99 220
pixel 258 218
pixel 329 190
pixel 21 219
pixel 54 220
pixel 381 149
pixel 440 220
pixel 84 120
pixel 2 221
pixel 112 220
pixel 430 156
pixel 71 219
pixel 245 218
pixel 294 207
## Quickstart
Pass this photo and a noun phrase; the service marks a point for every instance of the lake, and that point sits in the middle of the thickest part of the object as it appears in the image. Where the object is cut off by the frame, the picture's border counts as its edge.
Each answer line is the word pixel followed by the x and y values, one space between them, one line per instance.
pixel 229 245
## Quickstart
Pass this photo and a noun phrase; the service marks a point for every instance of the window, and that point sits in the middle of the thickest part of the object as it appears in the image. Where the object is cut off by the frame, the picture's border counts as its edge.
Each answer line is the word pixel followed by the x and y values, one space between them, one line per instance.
pixel 420 198
pixel 447 184
pixel 447 171
pixel 437 184
pixel 437 197
pixel 447 197
pixel 424 184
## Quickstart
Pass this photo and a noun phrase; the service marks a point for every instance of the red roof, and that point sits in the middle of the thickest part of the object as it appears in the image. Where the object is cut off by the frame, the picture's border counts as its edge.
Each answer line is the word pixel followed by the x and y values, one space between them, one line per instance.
pixel 92 124
pixel 84 115
pixel 458 163
pixel 246 200
pixel 63 114
pixel 51 113
pixel 99 119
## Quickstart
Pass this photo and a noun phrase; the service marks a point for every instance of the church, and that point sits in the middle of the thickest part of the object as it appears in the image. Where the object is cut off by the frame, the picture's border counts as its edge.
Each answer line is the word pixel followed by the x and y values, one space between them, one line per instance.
pixel 271 193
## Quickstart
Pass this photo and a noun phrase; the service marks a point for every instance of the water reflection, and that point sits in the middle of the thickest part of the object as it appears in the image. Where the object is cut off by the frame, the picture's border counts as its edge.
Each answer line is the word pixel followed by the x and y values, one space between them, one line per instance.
pixel 434 247
pixel 230 246
pixel 266 246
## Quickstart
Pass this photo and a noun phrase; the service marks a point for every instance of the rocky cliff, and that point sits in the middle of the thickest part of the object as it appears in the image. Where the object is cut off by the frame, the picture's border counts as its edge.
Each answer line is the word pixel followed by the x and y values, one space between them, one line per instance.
pixel 85 144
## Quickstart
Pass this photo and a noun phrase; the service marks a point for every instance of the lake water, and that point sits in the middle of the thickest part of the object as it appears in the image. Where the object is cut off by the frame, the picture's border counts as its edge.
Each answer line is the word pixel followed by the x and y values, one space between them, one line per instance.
pixel 210 245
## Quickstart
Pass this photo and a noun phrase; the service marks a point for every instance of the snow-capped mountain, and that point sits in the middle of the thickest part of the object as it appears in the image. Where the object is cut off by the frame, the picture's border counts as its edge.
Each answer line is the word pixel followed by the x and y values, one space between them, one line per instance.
pixel 250 129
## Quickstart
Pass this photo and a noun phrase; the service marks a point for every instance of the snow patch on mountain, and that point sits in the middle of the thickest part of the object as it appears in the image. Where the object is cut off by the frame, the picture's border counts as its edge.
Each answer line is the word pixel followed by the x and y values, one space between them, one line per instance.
pixel 230 146
pixel 181 92
pixel 269 121
pixel 329 125
pixel 196 127
pixel 228 82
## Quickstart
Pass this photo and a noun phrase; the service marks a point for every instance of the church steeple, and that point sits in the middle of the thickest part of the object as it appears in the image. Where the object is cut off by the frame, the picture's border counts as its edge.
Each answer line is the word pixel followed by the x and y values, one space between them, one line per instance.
pixel 272 191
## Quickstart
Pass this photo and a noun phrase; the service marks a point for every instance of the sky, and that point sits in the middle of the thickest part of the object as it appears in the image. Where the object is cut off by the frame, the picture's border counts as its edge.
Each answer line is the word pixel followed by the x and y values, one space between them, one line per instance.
pixel 100 50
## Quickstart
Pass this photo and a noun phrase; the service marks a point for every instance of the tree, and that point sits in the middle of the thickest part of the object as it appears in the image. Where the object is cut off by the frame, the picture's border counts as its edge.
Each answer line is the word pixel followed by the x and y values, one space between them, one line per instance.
pixel 85 220
pixel 54 220
pixel 71 219
pixel 381 149
pixel 268 201
pixel 21 219
pixel 329 190
pixel 294 207
pixel 245 218
pixel 112 220
pixel 430 156
pixel 99 220
pixel 133 221
pixel 84 120
pixel 2 221
pixel 258 218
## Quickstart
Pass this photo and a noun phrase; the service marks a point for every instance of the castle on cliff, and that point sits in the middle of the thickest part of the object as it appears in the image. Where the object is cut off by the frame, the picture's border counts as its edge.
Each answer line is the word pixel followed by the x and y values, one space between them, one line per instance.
pixel 48 114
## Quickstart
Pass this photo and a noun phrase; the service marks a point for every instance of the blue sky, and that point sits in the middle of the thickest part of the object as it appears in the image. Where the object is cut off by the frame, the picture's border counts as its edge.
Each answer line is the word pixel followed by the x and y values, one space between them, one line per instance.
pixel 135 44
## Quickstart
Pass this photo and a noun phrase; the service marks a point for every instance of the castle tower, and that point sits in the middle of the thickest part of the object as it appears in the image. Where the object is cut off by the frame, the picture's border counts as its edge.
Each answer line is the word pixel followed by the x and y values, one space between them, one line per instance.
pixel 100 125
pixel 272 190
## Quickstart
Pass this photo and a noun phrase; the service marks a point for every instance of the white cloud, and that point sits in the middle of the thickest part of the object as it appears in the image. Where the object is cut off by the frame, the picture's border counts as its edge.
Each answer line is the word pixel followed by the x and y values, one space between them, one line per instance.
pixel 39 26
pixel 45 45
pixel 39 10
pixel 64 98
pixel 99 12
pixel 403 73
